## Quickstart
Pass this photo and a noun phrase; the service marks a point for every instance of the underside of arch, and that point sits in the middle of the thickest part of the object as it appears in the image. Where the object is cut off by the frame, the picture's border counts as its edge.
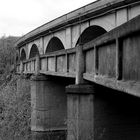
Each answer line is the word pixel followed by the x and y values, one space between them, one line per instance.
pixel 90 33
pixel 54 44
pixel 17 58
pixel 34 51
pixel 23 55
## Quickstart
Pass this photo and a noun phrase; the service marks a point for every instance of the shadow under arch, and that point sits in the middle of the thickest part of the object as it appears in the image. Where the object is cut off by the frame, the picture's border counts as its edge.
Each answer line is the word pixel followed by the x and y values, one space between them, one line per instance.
pixel 90 33
pixel 22 55
pixel 33 51
pixel 17 58
pixel 54 44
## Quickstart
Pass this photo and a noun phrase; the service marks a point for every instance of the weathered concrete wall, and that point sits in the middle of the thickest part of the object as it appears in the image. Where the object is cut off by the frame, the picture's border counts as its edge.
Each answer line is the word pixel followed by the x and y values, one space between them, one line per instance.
pixel 121 16
pixel 49 108
pixel 80 104
pixel 107 22
pixel 131 58
pixel 107 60
pixel 133 11
pixel 75 34
pixel 68 38
pixel 80 117
pixel 49 105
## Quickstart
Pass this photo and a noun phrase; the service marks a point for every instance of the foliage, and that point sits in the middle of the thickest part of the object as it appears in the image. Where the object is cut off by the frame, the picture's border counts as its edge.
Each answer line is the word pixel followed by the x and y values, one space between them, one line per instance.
pixel 7 51
pixel 15 105
pixel 7 55
pixel 15 110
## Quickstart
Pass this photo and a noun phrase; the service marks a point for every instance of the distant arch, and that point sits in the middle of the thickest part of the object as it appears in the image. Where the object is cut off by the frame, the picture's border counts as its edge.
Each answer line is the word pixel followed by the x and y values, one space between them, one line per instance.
pixel 90 33
pixel 23 55
pixel 17 58
pixel 33 51
pixel 54 44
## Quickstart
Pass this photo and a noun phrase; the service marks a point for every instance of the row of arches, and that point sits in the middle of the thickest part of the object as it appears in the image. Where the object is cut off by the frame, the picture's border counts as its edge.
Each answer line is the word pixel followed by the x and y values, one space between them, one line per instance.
pixel 56 44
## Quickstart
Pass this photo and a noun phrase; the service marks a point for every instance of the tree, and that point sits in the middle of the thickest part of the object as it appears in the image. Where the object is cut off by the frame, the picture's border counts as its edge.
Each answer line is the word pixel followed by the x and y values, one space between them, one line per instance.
pixel 7 55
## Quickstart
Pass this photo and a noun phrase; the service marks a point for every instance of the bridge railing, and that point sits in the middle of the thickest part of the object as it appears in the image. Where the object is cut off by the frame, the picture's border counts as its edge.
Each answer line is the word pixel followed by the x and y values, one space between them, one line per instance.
pixel 61 63
pixel 101 59
pixel 113 60
pixel 29 65
pixel 26 66
pixel 18 67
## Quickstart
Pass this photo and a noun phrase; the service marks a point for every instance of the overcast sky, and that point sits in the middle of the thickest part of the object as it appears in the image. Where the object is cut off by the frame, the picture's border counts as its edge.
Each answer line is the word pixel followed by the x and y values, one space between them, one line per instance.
pixel 17 17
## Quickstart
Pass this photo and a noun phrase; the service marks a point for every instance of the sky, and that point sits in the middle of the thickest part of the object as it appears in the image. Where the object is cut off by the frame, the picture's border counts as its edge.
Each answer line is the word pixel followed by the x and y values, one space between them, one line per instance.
pixel 18 17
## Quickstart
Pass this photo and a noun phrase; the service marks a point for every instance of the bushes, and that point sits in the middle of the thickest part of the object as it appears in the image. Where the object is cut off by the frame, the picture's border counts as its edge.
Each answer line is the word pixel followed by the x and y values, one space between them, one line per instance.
pixel 7 55
pixel 15 105
pixel 15 109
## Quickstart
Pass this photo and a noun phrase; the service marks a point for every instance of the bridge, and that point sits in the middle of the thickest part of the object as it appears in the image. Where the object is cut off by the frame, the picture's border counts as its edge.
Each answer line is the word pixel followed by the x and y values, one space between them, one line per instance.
pixel 84 72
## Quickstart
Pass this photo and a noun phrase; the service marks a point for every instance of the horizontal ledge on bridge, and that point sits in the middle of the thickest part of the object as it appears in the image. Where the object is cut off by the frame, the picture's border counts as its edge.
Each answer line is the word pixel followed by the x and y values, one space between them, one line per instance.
pixel 39 77
pixel 39 129
pixel 130 87
pixel 29 72
pixel 59 53
pixel 61 74
pixel 80 89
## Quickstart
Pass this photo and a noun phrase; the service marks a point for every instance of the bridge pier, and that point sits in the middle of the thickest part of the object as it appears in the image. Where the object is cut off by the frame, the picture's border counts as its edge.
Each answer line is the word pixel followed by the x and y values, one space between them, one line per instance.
pixel 80 103
pixel 80 111
pixel 48 102
pixel 98 113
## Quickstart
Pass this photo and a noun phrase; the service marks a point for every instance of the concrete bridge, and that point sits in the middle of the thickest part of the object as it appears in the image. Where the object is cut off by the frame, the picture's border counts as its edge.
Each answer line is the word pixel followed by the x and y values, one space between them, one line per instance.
pixel 85 71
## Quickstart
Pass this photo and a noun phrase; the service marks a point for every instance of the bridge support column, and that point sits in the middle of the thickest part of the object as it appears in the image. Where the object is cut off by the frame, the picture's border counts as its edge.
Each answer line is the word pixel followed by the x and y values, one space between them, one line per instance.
pixel 80 111
pixel 48 102
pixel 21 68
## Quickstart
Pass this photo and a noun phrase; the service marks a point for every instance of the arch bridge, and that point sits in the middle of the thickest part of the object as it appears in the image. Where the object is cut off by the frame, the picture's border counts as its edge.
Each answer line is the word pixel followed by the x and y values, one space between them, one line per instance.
pixel 85 73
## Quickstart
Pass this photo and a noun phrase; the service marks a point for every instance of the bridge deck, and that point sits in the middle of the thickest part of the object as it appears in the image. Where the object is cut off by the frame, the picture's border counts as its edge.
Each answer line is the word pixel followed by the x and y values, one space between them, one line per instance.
pixel 111 60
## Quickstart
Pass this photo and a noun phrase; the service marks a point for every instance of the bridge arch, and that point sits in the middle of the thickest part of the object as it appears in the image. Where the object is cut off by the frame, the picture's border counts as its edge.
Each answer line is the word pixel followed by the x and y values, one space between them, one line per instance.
pixel 17 57
pixel 22 55
pixel 54 44
pixel 90 33
pixel 33 51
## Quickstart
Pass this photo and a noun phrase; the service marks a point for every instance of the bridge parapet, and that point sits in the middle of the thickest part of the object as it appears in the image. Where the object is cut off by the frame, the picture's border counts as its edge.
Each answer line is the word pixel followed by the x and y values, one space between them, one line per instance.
pixel 28 66
pixel 59 63
pixel 112 60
